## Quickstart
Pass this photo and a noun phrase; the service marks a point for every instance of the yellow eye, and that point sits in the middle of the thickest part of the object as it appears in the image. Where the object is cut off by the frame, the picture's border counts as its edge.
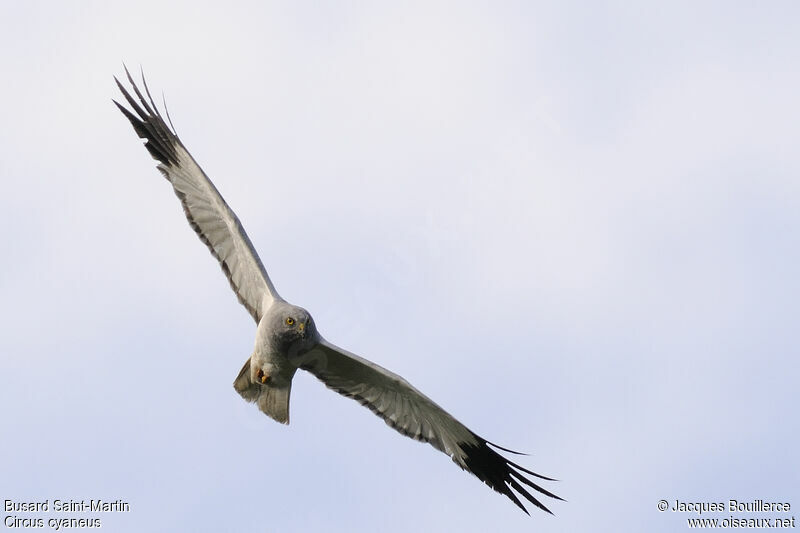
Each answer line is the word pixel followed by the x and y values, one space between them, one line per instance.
pixel 289 321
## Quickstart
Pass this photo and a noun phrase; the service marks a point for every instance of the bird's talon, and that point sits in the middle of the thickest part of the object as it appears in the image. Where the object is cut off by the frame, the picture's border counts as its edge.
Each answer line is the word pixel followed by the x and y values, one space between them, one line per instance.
pixel 262 376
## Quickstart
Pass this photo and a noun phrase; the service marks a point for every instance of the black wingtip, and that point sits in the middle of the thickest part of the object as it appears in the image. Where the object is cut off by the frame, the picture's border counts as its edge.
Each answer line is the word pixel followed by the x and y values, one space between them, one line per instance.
pixel 502 475
pixel 161 141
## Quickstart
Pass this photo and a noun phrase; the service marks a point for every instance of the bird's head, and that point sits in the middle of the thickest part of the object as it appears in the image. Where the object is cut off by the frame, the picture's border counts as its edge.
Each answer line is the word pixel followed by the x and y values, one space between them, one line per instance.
pixel 290 329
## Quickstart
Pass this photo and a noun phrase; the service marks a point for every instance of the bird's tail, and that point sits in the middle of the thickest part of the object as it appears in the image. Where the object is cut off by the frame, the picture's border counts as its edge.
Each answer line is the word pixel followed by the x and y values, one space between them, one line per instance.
pixel 272 397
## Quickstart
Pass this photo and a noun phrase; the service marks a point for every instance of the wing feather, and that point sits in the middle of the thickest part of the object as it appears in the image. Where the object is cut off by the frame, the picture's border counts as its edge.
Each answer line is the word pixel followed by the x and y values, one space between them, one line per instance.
pixel 209 216
pixel 413 414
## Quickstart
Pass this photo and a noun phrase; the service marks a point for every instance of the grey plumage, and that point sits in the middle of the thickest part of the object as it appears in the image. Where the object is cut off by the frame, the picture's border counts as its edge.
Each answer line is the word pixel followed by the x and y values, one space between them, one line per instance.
pixel 287 338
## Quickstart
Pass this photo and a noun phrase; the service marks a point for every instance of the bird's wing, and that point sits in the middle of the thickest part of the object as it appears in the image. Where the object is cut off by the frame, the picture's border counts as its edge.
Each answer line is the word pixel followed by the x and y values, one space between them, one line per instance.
pixel 413 414
pixel 208 214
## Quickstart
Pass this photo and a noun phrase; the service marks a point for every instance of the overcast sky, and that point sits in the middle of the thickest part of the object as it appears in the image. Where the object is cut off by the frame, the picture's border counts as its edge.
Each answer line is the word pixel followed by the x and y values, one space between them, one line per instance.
pixel 574 225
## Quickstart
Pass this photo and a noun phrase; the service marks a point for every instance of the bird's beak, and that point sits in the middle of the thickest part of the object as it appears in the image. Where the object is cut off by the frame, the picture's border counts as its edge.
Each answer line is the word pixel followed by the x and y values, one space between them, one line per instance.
pixel 302 326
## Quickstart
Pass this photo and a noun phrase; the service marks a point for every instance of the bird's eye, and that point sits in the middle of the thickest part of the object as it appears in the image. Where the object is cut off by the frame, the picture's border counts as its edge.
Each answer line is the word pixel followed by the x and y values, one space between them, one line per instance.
pixel 289 321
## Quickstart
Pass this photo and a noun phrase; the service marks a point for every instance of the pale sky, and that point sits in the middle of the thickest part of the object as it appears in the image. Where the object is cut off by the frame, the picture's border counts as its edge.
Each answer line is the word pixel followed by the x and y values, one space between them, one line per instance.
pixel 574 225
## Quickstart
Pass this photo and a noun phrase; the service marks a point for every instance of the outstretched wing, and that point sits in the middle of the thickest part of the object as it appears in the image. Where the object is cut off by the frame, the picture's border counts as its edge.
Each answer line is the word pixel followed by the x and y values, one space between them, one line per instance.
pixel 413 414
pixel 208 214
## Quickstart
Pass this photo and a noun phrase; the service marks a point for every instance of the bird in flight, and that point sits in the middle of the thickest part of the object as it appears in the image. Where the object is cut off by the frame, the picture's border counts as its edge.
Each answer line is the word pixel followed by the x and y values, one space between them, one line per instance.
pixel 287 337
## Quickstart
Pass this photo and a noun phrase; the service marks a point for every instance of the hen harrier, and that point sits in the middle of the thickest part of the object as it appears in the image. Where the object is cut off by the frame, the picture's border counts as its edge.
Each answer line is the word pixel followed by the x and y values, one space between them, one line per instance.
pixel 287 337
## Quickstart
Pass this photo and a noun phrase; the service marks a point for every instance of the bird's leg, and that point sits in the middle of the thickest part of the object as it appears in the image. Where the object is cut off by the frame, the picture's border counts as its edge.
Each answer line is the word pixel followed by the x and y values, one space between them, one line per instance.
pixel 262 376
